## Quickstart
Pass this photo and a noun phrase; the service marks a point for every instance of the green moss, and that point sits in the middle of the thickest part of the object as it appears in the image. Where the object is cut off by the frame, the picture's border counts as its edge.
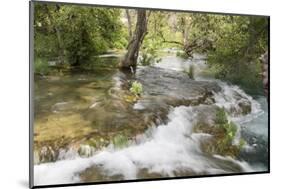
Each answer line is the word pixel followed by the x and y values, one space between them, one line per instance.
pixel 120 141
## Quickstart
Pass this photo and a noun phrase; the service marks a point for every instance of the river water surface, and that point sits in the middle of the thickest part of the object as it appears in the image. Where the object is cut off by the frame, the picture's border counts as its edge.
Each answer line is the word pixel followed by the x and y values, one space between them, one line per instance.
pixel 83 117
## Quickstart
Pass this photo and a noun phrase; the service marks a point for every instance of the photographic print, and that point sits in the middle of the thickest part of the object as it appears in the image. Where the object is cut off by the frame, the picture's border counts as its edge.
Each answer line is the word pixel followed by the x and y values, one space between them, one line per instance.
pixel 124 94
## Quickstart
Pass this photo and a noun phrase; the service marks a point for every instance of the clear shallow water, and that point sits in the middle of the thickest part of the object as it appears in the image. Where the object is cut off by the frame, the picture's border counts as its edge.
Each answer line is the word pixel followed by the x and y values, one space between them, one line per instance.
pixel 164 149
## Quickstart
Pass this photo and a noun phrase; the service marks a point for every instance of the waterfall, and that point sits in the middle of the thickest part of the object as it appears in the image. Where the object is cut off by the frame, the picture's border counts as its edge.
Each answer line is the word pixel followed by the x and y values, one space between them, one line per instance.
pixel 166 149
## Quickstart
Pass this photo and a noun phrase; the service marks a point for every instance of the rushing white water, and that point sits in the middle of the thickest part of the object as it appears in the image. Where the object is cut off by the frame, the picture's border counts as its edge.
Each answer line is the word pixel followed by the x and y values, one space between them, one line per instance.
pixel 254 123
pixel 258 125
pixel 166 149
pixel 230 95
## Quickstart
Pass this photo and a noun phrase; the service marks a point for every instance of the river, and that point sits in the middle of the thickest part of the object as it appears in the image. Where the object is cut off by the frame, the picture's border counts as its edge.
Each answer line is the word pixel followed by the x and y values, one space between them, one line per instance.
pixel 88 129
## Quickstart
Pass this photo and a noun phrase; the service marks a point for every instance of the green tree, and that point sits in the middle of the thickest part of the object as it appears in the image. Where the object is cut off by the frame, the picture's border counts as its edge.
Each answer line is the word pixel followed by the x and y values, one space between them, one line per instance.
pixel 75 33
pixel 130 58
pixel 240 42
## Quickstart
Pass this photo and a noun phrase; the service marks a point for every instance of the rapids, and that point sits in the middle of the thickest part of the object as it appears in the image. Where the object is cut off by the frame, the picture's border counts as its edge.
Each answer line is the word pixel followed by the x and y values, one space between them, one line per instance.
pixel 167 145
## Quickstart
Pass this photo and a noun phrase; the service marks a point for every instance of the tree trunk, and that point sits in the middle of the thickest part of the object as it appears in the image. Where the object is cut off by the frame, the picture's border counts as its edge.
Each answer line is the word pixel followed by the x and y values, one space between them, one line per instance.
pixel 188 46
pixel 129 24
pixel 130 59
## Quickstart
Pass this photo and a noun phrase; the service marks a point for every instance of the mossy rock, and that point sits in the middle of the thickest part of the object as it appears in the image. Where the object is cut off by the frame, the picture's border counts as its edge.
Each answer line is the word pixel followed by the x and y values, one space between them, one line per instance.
pixel 223 132
pixel 220 143
pixel 245 106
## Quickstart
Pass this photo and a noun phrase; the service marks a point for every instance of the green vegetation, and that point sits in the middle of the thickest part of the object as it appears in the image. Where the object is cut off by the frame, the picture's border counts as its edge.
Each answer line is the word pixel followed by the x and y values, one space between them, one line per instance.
pixel 41 66
pixel 149 56
pixel 91 56
pixel 223 132
pixel 229 128
pixel 221 117
pixel 120 141
pixel 233 45
pixel 238 43
pixel 136 91
pixel 136 88
pixel 242 143
pixel 75 33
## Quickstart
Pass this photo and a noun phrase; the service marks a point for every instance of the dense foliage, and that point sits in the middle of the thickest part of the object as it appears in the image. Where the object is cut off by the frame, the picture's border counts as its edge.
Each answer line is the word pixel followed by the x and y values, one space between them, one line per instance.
pixel 72 34
pixel 239 44
pixel 75 33
pixel 234 45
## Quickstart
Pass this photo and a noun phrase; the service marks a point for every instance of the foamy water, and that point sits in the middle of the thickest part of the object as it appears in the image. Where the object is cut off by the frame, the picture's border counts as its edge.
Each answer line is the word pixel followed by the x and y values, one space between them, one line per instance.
pixel 165 149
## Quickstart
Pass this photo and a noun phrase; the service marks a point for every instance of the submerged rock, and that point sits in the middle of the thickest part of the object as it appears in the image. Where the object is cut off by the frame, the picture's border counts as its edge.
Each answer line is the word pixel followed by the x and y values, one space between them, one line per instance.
pixel 168 87
pixel 106 112
pixel 245 106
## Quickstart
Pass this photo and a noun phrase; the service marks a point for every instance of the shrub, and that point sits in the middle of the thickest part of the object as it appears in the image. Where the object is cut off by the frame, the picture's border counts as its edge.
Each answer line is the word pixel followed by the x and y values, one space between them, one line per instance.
pixel 41 66
pixel 221 117
pixel 229 128
pixel 149 55
pixel 136 88
pixel 223 132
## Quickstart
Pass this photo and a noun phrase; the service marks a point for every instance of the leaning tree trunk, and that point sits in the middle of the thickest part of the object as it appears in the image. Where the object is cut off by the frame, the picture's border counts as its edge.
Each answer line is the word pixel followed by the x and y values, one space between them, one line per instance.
pixel 130 59
pixel 264 61
pixel 129 24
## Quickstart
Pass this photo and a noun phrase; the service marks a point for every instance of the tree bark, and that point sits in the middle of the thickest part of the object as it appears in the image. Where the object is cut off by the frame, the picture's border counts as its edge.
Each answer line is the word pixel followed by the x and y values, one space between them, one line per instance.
pixel 130 59
pixel 129 24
